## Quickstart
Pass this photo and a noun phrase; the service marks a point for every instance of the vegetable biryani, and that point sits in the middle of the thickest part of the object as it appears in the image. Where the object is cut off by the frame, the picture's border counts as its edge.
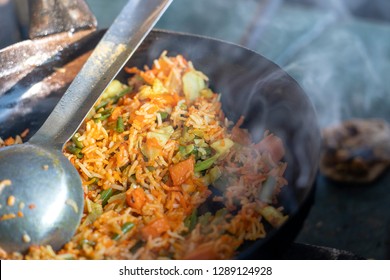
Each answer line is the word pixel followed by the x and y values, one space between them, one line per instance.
pixel 149 154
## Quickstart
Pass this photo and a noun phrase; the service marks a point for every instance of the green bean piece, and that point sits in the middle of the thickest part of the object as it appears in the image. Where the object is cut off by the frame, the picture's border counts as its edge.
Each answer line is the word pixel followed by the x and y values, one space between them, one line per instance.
pixel 121 94
pixel 190 221
pixel 203 165
pixel 125 229
pixel 105 196
pixel 74 150
pixel 120 127
pixel 101 105
pixel 77 142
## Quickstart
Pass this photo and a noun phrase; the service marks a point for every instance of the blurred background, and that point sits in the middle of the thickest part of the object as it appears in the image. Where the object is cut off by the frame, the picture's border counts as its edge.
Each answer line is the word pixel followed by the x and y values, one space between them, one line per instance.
pixel 337 50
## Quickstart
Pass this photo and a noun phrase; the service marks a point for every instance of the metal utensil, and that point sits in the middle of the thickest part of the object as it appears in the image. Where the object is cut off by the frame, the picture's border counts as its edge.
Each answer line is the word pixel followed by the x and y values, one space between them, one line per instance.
pixel 41 196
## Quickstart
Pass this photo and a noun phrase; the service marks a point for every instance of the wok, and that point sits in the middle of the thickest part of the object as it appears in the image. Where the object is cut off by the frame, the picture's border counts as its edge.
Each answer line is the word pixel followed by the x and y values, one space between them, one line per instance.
pixel 35 73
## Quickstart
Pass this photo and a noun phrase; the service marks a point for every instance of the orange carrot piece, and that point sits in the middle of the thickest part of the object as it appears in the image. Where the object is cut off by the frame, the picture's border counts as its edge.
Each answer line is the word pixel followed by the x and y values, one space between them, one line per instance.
pixel 166 99
pixel 9 141
pixel 136 198
pixel 132 70
pixel 148 76
pixel 116 113
pixel 155 228
pixel 181 171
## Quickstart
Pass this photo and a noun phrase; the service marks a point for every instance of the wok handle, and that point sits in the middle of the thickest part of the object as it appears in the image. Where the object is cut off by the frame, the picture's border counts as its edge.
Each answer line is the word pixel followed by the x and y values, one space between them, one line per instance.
pixel 54 16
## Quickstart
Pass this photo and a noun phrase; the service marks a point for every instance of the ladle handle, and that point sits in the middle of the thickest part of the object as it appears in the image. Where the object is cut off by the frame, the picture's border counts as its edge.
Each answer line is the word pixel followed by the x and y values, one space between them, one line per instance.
pixel 117 45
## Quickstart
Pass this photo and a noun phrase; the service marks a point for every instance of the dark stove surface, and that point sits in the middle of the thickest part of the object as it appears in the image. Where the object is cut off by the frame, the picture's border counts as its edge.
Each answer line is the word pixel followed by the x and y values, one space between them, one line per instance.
pixel 301 251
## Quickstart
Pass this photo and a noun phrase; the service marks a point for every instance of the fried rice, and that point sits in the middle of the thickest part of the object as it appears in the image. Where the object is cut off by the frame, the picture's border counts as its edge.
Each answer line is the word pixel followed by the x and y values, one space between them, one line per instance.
pixel 150 153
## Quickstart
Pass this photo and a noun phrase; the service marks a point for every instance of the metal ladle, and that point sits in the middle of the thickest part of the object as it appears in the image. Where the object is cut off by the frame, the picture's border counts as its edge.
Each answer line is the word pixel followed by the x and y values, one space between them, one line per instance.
pixel 41 195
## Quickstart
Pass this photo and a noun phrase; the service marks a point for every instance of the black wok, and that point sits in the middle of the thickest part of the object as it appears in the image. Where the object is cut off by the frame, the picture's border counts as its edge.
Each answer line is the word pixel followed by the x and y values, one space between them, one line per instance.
pixel 250 85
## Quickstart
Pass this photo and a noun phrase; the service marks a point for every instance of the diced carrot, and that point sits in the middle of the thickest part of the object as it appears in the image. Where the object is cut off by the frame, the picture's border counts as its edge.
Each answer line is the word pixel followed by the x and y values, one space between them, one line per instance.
pixel 116 113
pixel 203 252
pixel 148 76
pixel 155 228
pixel 165 67
pixel 166 99
pixel 152 148
pixel 136 198
pixel 181 171
pixel 273 145
pixel 132 70
pixel 9 141
pixel 122 157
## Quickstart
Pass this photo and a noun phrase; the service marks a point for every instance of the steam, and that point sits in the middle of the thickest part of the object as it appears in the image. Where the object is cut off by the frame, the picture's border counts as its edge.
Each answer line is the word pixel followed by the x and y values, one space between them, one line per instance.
pixel 337 57
pixel 331 53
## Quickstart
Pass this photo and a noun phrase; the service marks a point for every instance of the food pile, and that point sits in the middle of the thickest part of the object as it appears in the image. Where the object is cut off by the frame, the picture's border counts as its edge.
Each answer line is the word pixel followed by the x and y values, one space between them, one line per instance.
pixel 150 153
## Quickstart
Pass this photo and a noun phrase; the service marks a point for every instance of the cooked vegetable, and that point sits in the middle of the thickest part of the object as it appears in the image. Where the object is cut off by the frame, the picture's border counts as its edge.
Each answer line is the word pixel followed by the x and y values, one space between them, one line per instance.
pixel 119 125
pixel 105 195
pixel 203 165
pixel 136 198
pixel 273 216
pixel 155 228
pixel 191 221
pixel 222 146
pixel 181 171
pixel 95 210
pixel 193 84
